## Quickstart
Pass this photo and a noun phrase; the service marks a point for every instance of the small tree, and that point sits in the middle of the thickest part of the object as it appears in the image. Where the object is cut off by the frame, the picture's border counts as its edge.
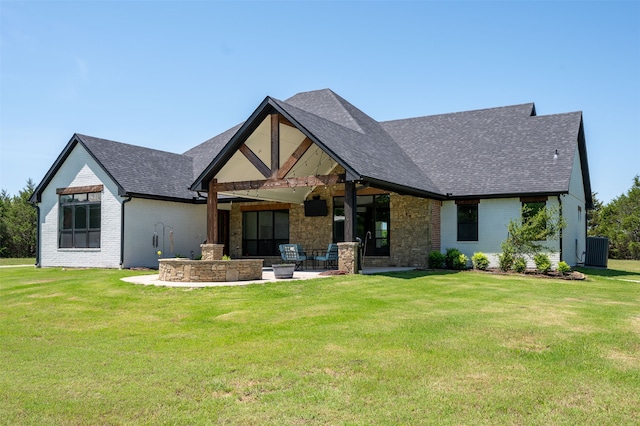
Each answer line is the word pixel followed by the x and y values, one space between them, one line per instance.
pixel 528 234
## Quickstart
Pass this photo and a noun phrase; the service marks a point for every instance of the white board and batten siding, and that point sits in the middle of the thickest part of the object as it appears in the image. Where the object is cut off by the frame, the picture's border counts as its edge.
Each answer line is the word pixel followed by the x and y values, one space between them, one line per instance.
pixel 493 218
pixel 80 169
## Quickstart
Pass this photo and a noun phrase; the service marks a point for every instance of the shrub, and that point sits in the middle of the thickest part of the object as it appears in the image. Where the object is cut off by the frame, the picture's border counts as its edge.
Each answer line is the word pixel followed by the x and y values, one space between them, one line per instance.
pixel 563 267
pixel 226 257
pixel 505 261
pixel 520 265
pixel 543 264
pixel 451 256
pixel 436 260
pixel 480 261
pixel 460 262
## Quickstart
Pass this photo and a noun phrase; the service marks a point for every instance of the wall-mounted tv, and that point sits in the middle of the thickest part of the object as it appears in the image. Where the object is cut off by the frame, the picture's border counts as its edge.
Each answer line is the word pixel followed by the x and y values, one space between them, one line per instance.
pixel 315 208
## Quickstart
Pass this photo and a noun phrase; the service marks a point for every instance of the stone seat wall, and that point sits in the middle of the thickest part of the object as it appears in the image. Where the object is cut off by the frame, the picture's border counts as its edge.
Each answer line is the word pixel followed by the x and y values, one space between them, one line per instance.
pixel 186 270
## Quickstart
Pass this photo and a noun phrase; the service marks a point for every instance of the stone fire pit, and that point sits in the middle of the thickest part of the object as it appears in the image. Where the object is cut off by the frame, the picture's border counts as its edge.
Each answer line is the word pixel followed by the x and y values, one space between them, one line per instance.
pixel 211 268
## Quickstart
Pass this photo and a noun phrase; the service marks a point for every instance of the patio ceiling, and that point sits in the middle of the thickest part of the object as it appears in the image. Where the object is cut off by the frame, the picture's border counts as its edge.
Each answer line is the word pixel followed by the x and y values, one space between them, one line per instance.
pixel 302 165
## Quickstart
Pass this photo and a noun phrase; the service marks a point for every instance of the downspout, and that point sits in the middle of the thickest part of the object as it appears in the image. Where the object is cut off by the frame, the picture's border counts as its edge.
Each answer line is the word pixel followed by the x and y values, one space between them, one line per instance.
pixel 560 213
pixel 122 230
pixel 37 207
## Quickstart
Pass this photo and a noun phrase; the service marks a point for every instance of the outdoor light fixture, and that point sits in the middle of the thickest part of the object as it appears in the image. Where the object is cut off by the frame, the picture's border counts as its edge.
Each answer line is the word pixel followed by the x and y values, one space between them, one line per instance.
pixel 555 156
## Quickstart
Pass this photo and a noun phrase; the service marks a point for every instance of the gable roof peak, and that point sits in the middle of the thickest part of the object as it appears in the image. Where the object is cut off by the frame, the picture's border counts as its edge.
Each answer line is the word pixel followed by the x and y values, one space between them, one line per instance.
pixel 327 104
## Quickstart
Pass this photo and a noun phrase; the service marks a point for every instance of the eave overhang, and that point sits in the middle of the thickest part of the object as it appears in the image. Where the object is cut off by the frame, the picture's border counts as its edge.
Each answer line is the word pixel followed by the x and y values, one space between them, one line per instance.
pixel 75 140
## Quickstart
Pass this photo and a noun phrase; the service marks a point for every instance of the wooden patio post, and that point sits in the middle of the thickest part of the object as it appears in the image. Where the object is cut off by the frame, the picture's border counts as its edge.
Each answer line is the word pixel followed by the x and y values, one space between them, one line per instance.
pixel 348 250
pixel 212 213
pixel 350 211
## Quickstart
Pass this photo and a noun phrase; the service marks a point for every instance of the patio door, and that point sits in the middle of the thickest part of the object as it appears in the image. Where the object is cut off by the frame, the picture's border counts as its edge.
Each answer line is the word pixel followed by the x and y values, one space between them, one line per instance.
pixel 223 230
pixel 372 222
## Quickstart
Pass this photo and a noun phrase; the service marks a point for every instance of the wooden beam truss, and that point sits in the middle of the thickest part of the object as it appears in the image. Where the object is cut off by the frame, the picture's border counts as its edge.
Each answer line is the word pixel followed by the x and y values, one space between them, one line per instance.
pixel 275 183
pixel 275 170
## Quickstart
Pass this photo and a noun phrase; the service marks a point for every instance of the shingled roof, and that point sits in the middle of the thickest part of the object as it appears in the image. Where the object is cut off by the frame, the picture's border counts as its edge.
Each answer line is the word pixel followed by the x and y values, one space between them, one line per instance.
pixel 494 152
pixel 137 171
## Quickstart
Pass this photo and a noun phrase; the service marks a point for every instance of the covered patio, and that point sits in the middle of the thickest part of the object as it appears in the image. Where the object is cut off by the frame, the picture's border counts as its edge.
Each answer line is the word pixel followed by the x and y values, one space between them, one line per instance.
pixel 296 180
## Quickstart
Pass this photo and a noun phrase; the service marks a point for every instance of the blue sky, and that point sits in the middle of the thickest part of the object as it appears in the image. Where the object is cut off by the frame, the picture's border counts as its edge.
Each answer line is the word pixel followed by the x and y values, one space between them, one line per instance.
pixel 169 75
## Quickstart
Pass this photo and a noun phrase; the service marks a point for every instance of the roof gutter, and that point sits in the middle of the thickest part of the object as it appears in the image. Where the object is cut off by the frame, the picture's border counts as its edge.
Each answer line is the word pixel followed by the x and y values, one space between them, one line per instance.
pixel 37 207
pixel 451 196
pixel 404 190
pixel 129 198
pixel 560 238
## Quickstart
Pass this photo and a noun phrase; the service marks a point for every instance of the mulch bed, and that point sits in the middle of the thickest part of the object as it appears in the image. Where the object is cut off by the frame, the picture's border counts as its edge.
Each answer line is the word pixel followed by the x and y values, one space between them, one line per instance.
pixel 573 275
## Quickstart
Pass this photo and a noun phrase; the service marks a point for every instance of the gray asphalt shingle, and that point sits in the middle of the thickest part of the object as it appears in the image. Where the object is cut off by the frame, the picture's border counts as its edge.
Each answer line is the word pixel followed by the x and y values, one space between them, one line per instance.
pixel 490 152
pixel 142 170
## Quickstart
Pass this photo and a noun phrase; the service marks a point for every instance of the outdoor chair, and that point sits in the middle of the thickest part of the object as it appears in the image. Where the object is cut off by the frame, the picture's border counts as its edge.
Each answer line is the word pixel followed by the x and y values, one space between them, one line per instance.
pixel 294 253
pixel 330 258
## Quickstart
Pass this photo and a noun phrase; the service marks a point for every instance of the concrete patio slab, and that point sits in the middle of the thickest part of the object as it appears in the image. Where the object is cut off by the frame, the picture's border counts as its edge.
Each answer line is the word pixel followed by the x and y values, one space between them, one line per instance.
pixel 267 276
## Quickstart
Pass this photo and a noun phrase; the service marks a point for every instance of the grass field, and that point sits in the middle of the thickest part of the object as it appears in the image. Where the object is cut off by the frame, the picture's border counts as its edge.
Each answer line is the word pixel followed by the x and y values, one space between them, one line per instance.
pixel 4 261
pixel 83 347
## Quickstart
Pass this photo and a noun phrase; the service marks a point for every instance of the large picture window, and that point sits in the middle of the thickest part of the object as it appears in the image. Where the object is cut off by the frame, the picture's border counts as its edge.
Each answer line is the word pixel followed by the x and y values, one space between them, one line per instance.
pixel 80 220
pixel 263 231
pixel 468 221
pixel 372 222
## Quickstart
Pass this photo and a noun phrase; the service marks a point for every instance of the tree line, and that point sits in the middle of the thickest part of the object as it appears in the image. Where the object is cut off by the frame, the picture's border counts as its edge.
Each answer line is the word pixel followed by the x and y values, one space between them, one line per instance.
pixel 18 223
pixel 618 220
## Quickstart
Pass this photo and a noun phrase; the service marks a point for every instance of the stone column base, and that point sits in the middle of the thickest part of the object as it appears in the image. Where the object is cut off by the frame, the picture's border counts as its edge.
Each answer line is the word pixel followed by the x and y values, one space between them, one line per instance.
pixel 348 257
pixel 212 251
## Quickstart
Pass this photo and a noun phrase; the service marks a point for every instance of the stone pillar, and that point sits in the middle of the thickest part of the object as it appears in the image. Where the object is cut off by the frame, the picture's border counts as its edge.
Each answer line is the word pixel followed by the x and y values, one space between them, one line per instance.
pixel 211 251
pixel 348 257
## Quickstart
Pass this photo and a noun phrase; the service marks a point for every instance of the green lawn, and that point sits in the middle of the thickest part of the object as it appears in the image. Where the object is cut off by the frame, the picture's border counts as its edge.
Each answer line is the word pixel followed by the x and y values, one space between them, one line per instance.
pixel 5 261
pixel 83 347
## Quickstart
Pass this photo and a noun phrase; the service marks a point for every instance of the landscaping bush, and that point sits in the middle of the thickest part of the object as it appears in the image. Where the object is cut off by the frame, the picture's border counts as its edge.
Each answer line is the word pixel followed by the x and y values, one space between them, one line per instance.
pixel 505 261
pixel 480 261
pixel 543 264
pixel 563 267
pixel 520 265
pixel 451 256
pixel 460 262
pixel 436 260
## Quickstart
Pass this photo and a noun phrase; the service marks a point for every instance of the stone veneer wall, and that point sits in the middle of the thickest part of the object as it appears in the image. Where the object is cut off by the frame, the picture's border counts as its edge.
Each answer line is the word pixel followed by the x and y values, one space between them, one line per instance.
pixel 348 257
pixel 186 270
pixel 414 231
pixel 314 233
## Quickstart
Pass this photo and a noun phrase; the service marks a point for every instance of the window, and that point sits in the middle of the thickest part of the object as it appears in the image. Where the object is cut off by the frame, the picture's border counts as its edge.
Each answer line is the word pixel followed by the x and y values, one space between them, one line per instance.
pixel 263 231
pixel 530 209
pixel 372 222
pixel 80 220
pixel 467 220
